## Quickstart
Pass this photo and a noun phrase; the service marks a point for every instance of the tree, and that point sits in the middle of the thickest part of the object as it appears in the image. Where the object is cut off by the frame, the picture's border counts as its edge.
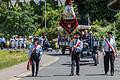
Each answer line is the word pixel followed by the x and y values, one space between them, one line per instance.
pixel 16 20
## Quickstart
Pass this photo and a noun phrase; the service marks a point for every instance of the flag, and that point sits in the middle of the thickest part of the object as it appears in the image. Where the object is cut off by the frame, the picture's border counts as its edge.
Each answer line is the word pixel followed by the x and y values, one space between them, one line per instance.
pixel 68 21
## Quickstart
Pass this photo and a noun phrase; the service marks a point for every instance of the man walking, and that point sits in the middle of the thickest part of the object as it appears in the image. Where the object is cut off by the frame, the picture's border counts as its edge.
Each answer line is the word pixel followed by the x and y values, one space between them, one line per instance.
pixel 76 46
pixel 110 50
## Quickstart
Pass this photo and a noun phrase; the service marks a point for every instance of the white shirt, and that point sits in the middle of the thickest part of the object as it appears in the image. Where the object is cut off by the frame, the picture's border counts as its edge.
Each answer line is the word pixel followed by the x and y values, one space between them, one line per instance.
pixel 106 46
pixel 3 39
pixel 21 40
pixel 12 41
pixel 76 41
pixel 16 41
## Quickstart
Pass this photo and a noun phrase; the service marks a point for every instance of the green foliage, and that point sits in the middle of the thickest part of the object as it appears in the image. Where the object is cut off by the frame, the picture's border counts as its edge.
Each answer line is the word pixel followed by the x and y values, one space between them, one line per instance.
pixel 16 20
pixel 101 27
pixel 117 28
pixel 52 19
pixel 98 10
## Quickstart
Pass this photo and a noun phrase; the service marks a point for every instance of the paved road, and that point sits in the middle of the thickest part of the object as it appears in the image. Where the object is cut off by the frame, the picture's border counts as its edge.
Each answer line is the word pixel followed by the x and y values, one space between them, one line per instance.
pixel 60 70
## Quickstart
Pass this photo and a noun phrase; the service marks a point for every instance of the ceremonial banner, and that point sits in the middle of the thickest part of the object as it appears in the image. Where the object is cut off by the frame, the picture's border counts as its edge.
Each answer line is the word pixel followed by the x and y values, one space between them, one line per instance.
pixel 69 21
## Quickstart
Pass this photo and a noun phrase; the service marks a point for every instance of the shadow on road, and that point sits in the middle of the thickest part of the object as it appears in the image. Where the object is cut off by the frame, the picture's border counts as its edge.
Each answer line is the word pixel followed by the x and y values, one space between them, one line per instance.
pixel 59 54
pixel 61 75
pixel 83 64
pixel 95 75
pixel 30 76
pixel 38 76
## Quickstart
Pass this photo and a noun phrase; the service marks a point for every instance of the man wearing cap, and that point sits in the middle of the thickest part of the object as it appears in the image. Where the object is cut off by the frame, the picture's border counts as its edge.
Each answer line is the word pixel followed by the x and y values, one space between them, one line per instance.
pixel 76 46
pixel 109 50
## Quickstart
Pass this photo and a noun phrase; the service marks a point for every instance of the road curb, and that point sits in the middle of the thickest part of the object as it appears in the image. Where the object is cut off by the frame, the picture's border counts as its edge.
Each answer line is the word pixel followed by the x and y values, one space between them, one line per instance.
pixel 19 77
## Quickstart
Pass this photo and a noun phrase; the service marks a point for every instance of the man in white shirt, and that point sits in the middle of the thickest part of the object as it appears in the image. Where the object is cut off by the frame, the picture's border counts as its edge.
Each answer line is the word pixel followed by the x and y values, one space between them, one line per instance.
pixel 110 50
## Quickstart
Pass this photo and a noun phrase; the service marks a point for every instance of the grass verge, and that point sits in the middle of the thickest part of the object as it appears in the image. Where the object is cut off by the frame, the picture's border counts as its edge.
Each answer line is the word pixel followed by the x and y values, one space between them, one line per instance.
pixel 10 58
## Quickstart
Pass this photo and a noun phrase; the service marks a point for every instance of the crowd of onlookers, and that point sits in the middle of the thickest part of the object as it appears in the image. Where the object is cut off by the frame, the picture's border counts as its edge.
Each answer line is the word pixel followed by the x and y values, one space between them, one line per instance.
pixel 22 42
pixel 15 42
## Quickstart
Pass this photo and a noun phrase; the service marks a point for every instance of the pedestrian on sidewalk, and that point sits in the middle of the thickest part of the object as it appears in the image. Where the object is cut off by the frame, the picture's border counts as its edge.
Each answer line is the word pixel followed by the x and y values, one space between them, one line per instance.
pixel 109 50
pixel 35 53
pixel 76 46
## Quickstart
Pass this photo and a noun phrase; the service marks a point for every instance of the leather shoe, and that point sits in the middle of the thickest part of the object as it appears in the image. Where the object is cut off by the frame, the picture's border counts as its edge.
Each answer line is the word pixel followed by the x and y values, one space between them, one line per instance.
pixel 112 73
pixel 71 74
pixel 77 74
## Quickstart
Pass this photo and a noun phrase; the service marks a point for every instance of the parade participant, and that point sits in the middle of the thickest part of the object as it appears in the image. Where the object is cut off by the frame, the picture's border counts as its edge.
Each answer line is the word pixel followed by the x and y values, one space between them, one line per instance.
pixel 66 41
pixel 29 41
pixel 44 42
pixel 12 42
pixel 110 50
pixel 77 46
pixel 3 42
pixel 95 50
pixel 16 42
pixel 8 44
pixel 91 41
pixel 35 53
pixel 20 42
pixel 24 41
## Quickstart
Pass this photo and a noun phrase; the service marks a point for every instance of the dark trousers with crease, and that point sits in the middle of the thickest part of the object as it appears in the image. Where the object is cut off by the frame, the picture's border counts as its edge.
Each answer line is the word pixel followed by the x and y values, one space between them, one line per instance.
pixel 109 57
pixel 35 64
pixel 75 58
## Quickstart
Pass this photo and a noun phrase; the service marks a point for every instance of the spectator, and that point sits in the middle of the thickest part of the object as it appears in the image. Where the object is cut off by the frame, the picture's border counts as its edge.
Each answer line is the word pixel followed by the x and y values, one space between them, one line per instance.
pixel 24 41
pixel 21 42
pixel 44 42
pixel 16 42
pixel 12 42
pixel 3 42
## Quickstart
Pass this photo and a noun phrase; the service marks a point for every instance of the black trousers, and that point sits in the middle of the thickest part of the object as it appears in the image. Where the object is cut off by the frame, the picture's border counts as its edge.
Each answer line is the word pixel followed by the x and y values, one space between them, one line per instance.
pixel 109 57
pixel 75 58
pixel 2 45
pixel 35 64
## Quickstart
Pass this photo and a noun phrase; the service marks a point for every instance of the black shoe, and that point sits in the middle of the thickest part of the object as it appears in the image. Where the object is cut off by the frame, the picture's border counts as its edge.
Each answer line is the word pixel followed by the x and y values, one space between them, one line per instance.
pixel 36 75
pixel 71 74
pixel 77 74
pixel 32 75
pixel 106 73
pixel 112 73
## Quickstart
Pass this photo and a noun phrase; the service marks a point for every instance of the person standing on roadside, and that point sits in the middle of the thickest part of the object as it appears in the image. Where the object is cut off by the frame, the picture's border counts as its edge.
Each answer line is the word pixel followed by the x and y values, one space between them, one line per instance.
pixel 109 50
pixel 3 42
pixel 16 42
pixel 12 42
